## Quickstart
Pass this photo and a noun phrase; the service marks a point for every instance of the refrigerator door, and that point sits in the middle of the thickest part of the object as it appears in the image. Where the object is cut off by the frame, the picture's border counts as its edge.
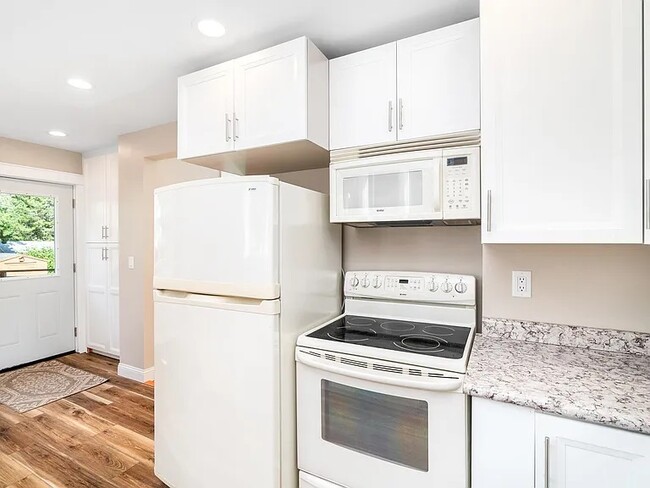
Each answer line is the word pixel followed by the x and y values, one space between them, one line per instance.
pixel 217 391
pixel 218 237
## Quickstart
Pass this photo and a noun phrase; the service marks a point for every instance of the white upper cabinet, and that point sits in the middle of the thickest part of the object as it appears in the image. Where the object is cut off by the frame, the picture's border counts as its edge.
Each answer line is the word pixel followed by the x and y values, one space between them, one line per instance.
pixel 571 454
pixel 205 110
pixel 561 121
pixel 363 105
pixel 101 193
pixel 438 88
pixel 262 113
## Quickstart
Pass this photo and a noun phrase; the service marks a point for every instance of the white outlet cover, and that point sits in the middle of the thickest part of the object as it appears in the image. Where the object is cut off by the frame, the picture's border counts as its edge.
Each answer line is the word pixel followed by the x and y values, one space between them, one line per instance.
pixel 521 284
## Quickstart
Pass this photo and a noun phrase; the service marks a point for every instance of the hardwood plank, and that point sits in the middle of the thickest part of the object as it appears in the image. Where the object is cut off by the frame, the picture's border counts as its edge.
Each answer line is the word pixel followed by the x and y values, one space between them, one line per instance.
pixel 11 470
pixel 135 445
pixel 127 398
pixel 75 416
pixel 31 481
pixel 100 458
pixel 88 400
pixel 140 476
pixel 140 422
pixel 43 430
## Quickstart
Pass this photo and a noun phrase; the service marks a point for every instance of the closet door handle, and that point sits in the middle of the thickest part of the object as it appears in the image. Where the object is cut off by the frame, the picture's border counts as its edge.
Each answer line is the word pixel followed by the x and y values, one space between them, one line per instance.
pixel 103 249
pixel 400 114
pixel 489 211
pixel 103 233
pixel 107 232
pixel 547 446
pixel 227 128
pixel 390 116
pixel 235 125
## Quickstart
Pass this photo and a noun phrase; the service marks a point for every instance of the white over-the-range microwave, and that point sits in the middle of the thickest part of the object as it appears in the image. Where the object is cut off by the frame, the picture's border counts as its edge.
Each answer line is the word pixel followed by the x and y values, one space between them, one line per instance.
pixel 426 187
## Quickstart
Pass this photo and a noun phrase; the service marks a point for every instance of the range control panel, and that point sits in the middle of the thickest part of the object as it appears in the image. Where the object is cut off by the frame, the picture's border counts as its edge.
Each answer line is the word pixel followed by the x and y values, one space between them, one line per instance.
pixel 411 286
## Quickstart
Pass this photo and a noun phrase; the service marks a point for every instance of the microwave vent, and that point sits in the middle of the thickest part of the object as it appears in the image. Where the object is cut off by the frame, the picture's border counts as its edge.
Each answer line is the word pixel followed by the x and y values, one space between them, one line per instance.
pixel 459 139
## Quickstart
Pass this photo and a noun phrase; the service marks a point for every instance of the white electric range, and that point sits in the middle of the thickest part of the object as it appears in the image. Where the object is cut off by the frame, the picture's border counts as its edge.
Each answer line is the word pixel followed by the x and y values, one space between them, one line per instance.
pixel 379 388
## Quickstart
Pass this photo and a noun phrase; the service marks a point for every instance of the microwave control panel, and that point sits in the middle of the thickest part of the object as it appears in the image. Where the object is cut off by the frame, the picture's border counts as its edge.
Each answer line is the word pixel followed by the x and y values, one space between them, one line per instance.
pixel 461 191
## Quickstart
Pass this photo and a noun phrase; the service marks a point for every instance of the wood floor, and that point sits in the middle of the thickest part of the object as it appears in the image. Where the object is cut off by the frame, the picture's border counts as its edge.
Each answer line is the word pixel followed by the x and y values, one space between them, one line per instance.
pixel 102 437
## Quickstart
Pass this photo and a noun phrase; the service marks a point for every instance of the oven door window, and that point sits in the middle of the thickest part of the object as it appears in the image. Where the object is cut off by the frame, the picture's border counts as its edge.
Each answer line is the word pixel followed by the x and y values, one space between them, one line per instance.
pixel 400 189
pixel 384 426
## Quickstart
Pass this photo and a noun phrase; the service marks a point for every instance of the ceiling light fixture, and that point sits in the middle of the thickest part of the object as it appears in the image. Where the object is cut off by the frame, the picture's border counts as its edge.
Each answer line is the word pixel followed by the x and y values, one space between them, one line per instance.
pixel 57 133
pixel 79 83
pixel 211 28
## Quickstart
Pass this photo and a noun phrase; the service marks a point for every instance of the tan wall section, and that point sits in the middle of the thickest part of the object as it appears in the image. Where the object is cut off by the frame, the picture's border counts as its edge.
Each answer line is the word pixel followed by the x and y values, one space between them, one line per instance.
pixel 37 156
pixel 604 286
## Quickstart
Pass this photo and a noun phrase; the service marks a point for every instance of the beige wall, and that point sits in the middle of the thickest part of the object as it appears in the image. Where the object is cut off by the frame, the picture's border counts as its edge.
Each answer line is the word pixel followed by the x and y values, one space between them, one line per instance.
pixel 604 286
pixel 28 154
pixel 143 164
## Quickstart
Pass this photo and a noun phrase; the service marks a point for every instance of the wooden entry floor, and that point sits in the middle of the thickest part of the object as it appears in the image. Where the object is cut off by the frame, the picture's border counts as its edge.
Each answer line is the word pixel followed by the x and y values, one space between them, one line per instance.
pixel 102 437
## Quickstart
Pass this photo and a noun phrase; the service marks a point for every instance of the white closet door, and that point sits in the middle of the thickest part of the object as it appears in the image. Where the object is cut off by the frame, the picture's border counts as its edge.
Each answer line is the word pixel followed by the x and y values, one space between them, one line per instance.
pixel 97 313
pixel 363 107
pixel 205 107
pixel 562 121
pixel 438 86
pixel 113 298
pixel 95 175
pixel 271 95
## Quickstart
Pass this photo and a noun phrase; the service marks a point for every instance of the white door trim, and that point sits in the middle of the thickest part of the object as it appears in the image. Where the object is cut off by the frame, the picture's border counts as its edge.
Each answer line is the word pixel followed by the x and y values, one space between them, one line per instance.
pixel 75 180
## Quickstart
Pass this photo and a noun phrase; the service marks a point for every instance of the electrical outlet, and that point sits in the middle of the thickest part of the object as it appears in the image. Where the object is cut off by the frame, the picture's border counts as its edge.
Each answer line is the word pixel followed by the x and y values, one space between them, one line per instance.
pixel 521 284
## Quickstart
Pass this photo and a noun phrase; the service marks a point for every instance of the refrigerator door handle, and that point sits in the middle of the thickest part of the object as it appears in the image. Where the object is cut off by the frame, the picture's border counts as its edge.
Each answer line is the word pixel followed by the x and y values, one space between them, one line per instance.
pixel 250 305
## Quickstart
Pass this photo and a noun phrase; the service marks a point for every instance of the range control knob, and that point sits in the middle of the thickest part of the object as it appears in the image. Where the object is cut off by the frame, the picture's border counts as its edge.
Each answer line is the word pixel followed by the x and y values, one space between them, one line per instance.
pixel 447 287
pixel 354 281
pixel 376 281
pixel 461 287
pixel 433 286
pixel 365 282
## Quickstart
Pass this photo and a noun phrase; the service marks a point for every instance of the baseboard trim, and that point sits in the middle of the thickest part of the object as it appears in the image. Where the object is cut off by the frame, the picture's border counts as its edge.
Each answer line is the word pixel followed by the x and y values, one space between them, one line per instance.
pixel 133 373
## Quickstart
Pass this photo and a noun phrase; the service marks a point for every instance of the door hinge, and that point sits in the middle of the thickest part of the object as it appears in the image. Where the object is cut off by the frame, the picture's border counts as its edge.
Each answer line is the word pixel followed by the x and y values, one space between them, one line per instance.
pixel 74 267
pixel 75 331
pixel 74 203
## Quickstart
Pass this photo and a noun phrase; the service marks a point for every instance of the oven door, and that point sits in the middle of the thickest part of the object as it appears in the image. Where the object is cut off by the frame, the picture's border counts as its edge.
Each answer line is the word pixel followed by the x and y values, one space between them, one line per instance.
pixel 364 433
pixel 389 188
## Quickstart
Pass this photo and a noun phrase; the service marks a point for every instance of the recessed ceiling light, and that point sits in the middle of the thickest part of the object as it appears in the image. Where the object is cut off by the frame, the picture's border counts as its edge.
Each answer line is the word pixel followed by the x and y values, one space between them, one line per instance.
pixel 79 83
pixel 57 133
pixel 211 28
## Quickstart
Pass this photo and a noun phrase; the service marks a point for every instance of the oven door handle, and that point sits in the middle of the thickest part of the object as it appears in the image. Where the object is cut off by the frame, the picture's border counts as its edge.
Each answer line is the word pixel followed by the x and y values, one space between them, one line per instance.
pixel 421 383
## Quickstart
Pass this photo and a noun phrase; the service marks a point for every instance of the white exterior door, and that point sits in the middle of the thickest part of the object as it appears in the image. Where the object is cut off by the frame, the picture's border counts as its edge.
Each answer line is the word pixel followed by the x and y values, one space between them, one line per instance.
pixel 205 109
pixel 217 418
pixel 438 85
pixel 561 121
pixel 363 87
pixel 36 307
pixel 271 95
pixel 581 455
pixel 218 237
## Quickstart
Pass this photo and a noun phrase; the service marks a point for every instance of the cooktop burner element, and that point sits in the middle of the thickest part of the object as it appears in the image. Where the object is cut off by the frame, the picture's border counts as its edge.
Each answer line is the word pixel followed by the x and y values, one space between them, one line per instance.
pixel 416 337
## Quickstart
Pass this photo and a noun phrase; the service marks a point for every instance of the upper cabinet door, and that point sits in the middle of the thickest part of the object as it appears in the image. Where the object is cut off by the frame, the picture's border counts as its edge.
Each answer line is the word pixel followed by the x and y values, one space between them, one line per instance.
pixel 362 98
pixel 438 86
pixel 112 198
pixel 205 111
pixel 94 169
pixel 561 121
pixel 271 95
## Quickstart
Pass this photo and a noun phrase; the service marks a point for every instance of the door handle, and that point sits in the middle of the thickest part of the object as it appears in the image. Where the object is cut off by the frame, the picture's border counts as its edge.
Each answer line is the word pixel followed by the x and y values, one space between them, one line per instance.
pixel 390 116
pixel 489 211
pixel 547 447
pixel 227 128
pixel 107 232
pixel 235 125
pixel 103 232
pixel 400 114
pixel 103 254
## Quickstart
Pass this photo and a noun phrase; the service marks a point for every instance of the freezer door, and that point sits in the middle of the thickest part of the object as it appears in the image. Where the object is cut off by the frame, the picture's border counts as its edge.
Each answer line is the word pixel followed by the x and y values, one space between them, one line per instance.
pixel 218 237
pixel 217 392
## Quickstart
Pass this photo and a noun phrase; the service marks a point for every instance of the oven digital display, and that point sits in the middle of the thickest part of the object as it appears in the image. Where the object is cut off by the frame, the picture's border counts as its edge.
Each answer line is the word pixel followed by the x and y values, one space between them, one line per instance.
pixel 457 161
pixel 403 282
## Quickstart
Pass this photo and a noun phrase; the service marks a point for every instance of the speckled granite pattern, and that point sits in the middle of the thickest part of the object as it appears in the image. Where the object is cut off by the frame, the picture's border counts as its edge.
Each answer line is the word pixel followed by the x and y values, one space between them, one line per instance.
pixel 604 387
pixel 568 335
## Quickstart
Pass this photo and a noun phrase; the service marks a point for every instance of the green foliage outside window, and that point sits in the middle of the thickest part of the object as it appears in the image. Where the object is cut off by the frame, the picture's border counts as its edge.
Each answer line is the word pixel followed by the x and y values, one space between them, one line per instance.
pixel 26 218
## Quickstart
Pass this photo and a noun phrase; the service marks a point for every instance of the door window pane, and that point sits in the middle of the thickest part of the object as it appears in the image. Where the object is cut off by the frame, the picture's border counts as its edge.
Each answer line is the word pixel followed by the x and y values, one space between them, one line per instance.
pixel 401 189
pixel 384 426
pixel 27 230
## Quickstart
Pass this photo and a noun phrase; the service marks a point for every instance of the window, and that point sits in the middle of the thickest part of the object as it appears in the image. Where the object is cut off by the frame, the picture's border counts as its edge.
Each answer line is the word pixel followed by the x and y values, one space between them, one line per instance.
pixel 27 235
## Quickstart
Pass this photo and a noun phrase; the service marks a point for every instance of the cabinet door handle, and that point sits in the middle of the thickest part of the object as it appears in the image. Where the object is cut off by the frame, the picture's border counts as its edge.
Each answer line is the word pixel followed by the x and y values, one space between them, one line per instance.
pixel 547 445
pixel 107 232
pixel 390 116
pixel 103 235
pixel 400 114
pixel 235 125
pixel 647 204
pixel 489 211
pixel 227 128
pixel 103 254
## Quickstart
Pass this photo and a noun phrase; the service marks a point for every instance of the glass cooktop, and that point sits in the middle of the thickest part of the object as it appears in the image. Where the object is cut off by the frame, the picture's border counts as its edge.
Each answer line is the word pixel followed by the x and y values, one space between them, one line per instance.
pixel 444 341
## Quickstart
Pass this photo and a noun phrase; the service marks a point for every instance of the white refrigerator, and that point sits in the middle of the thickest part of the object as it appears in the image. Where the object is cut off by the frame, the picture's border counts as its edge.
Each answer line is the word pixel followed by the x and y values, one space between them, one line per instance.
pixel 242 267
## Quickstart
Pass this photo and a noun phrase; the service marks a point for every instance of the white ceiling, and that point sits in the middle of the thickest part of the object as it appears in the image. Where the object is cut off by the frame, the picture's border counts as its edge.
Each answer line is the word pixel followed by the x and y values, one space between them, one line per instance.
pixel 132 51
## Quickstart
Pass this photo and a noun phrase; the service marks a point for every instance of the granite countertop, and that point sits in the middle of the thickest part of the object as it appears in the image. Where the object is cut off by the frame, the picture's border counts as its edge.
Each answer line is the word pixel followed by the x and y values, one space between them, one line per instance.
pixel 587 374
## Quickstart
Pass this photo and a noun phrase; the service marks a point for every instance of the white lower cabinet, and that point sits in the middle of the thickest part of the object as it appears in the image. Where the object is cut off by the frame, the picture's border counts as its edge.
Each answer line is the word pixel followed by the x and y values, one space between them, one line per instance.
pixel 518 447
pixel 102 298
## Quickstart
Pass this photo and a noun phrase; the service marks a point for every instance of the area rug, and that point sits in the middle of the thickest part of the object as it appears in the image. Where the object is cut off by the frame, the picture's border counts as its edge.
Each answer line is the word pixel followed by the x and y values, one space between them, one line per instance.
pixel 34 386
